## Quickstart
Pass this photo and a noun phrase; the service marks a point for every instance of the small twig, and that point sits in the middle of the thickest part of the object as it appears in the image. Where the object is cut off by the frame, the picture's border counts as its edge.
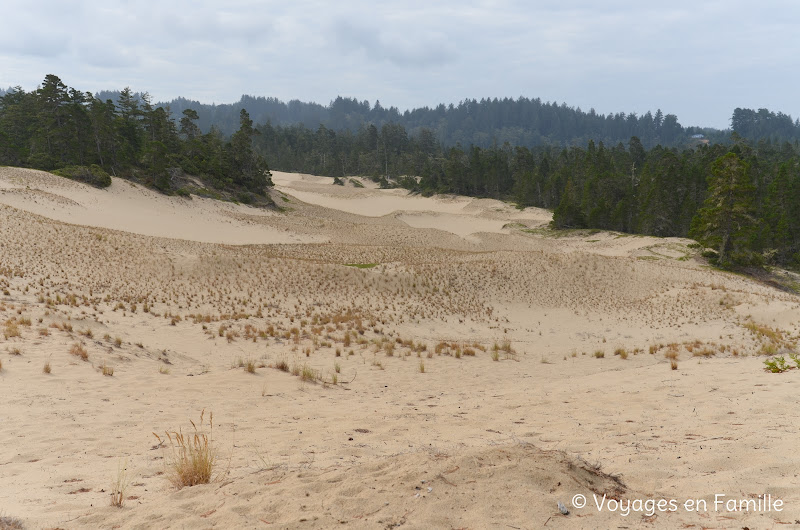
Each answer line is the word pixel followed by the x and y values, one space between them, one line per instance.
pixel 353 379
pixel 441 477
pixel 366 514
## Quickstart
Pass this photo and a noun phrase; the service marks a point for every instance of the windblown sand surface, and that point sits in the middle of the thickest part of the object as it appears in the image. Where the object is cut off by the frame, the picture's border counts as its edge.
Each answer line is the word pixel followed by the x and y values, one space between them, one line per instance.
pixel 453 379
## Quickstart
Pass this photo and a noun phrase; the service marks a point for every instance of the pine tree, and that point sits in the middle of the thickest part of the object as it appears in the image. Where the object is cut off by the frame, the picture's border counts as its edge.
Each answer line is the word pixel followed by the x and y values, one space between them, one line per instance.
pixel 727 217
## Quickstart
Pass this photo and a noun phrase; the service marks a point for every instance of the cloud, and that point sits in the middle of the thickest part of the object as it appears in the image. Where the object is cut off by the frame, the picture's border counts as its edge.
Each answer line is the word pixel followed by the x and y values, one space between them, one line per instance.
pixel 696 59
pixel 402 49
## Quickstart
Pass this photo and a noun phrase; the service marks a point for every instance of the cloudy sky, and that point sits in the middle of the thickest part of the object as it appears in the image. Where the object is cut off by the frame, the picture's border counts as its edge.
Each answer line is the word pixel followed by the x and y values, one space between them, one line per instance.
pixel 698 59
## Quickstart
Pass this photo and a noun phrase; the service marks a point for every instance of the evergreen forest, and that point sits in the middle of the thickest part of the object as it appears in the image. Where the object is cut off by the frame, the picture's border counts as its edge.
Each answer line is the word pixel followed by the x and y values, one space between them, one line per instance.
pixel 736 192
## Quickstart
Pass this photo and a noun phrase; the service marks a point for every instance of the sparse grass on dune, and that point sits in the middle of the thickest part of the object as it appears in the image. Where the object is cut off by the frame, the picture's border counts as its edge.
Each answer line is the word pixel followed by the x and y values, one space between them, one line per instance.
pixel 450 308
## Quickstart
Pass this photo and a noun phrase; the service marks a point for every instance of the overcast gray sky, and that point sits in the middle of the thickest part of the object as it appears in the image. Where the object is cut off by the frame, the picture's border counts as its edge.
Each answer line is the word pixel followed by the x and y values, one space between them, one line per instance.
pixel 697 59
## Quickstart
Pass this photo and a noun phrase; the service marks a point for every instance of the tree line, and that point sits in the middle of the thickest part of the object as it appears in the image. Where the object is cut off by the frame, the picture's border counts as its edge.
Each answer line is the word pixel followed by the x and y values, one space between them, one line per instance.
pixel 763 123
pixel 752 218
pixel 741 198
pixel 59 128
pixel 522 121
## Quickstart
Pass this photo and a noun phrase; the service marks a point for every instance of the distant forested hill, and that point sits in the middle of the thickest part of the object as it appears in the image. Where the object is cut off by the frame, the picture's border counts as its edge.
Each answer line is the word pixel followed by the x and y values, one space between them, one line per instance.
pixel 764 124
pixel 483 123
pixel 523 121
pixel 520 122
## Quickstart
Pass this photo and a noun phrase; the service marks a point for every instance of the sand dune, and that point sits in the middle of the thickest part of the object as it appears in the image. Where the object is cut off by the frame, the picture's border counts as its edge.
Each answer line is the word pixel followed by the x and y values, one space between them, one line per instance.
pixel 416 362
pixel 132 208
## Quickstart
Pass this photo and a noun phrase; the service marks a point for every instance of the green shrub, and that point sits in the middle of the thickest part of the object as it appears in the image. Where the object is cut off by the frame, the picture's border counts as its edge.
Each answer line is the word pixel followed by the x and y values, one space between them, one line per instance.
pixel 93 175
pixel 776 365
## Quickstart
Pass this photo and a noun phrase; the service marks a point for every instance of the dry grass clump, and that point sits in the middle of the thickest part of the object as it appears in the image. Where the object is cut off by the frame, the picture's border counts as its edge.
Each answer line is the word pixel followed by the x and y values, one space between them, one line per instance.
pixel 10 523
pixel 192 456
pixel 307 373
pixel 119 485
pixel 769 348
pixel 250 366
pixel 672 355
pixel 78 350
pixel 704 352
pixel 599 354
pixel 11 329
pixel 281 364
pixel 505 347
pixel 622 352
pixel 107 370
pixel 46 369
pixel 63 326
pixel 764 332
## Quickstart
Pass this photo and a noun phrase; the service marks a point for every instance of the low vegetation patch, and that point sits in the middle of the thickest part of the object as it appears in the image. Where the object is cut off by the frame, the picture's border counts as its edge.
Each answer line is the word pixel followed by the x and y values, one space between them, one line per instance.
pixel 78 350
pixel 10 523
pixel 93 175
pixel 107 370
pixel 119 485
pixel 192 457
pixel 778 365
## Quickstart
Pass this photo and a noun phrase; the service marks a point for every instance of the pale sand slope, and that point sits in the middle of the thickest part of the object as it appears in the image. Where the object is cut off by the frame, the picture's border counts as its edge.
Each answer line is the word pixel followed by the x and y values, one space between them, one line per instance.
pixel 127 206
pixel 498 442
pixel 462 216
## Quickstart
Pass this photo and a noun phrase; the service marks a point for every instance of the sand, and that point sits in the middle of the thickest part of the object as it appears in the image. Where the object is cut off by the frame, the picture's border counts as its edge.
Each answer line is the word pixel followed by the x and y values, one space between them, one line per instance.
pixel 409 416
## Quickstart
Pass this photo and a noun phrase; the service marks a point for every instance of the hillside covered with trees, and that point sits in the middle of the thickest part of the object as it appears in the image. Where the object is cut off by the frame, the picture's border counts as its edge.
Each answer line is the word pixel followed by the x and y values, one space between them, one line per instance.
pixel 523 121
pixel 59 128
pixel 624 187
pixel 740 198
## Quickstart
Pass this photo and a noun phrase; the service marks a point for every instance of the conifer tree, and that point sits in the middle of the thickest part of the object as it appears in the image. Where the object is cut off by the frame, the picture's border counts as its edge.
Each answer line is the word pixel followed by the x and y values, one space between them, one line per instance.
pixel 727 217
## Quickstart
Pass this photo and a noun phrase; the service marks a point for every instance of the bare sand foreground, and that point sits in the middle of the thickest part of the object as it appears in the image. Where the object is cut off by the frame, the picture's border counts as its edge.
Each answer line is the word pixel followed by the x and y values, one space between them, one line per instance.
pixel 413 362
